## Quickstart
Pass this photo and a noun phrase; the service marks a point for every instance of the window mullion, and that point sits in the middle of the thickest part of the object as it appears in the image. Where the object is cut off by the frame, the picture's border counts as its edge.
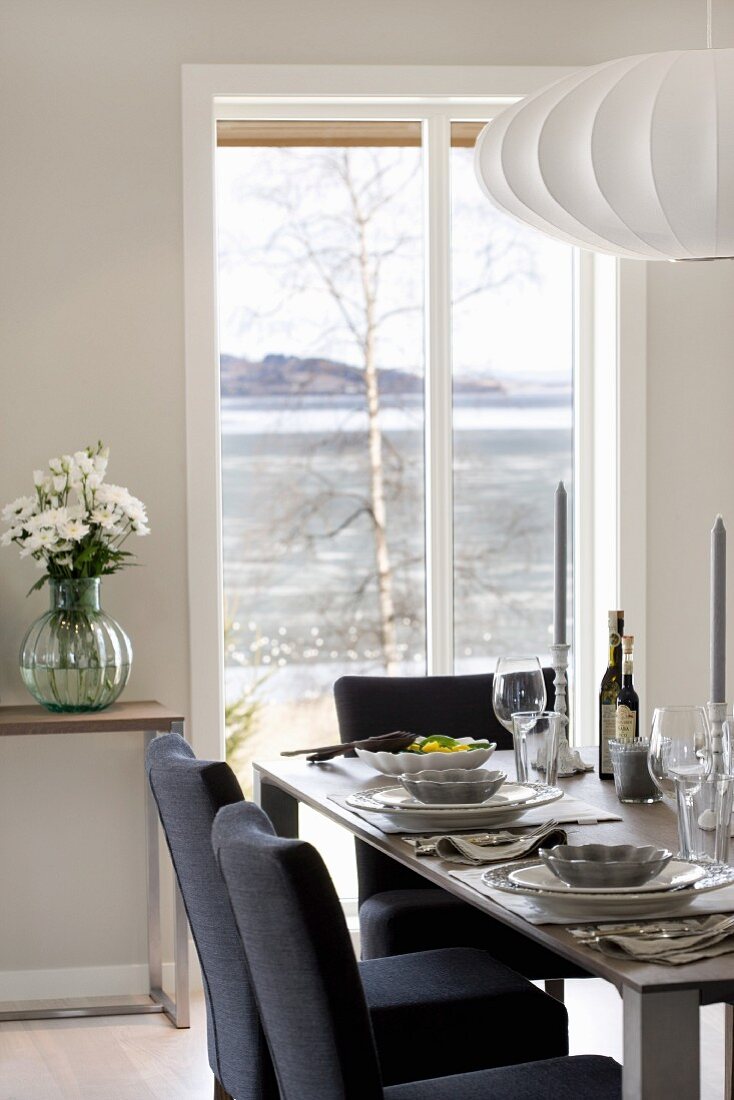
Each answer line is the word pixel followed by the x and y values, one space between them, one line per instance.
pixel 438 395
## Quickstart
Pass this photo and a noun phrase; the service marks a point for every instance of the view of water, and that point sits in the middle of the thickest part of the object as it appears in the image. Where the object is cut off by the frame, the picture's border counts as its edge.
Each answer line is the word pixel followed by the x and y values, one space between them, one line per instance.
pixel 298 567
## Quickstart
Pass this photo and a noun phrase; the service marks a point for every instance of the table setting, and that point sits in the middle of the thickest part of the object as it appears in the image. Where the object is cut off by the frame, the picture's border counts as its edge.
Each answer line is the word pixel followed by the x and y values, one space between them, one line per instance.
pixel 506 836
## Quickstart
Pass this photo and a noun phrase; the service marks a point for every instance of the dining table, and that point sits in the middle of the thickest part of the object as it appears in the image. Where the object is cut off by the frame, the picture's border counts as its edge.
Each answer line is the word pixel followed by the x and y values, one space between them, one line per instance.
pixel 660 1003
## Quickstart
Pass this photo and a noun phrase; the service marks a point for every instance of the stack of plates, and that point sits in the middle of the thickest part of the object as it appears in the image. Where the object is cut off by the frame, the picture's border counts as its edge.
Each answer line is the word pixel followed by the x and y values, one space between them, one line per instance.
pixel 675 887
pixel 404 810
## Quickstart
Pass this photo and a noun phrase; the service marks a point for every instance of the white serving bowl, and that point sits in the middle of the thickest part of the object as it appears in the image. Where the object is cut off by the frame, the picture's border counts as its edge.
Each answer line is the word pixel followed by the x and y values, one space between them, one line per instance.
pixel 410 763
pixel 453 786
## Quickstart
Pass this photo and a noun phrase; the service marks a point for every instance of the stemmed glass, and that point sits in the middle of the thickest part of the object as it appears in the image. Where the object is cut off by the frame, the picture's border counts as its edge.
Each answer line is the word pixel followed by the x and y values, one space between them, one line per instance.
pixel 518 686
pixel 680 746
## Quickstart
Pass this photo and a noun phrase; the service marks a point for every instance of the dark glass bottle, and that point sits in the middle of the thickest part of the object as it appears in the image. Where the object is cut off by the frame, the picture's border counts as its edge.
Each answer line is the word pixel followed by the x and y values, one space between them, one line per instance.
pixel 628 702
pixel 611 686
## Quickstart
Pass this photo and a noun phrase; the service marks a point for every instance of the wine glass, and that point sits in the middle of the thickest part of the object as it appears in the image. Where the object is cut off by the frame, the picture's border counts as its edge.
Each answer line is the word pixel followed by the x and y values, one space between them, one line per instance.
pixel 680 746
pixel 518 686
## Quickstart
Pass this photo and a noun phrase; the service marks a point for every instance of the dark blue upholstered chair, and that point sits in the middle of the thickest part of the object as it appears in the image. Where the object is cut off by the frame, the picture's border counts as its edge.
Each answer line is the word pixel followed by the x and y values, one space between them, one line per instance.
pixel 443 990
pixel 400 911
pixel 189 792
pixel 312 1002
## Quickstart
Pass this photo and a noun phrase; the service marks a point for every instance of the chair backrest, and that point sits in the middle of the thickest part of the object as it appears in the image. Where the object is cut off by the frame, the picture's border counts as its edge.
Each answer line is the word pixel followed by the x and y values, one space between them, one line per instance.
pixel 301 961
pixel 189 792
pixel 457 706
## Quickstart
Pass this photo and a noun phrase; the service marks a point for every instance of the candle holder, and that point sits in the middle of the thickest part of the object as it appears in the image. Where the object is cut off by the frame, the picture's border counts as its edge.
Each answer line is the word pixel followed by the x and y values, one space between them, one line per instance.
pixel 717 717
pixel 569 760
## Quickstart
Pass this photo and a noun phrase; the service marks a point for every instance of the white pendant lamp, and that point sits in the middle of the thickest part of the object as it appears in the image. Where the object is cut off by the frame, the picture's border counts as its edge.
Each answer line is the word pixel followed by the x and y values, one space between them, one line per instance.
pixel 634 157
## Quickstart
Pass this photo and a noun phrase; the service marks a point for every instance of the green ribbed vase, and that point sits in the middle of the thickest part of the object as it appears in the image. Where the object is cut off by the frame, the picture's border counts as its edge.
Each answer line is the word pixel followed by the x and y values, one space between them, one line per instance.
pixel 76 658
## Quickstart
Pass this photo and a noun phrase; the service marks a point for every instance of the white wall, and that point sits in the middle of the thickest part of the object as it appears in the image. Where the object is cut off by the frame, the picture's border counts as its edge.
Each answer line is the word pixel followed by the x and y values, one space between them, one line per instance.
pixel 91 346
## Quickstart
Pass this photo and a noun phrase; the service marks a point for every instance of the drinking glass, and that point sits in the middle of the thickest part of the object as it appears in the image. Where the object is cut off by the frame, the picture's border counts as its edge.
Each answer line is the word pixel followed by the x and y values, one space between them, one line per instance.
pixel 680 746
pixel 518 686
pixel 704 816
pixel 535 736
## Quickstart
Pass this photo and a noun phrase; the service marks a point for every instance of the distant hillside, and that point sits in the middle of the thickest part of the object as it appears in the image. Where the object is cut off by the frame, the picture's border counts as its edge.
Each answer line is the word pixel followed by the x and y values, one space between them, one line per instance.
pixel 290 375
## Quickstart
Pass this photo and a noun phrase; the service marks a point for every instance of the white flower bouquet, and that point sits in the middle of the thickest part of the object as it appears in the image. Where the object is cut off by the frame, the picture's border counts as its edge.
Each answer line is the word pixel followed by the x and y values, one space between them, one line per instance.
pixel 75 524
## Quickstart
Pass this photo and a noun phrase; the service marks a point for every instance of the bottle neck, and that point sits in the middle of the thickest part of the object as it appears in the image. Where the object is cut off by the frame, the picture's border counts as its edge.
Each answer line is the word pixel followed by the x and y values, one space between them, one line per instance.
pixel 627 670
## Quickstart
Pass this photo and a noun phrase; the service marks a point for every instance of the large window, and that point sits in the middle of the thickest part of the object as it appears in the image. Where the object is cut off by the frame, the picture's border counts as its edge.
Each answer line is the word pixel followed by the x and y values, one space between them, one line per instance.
pixel 396 410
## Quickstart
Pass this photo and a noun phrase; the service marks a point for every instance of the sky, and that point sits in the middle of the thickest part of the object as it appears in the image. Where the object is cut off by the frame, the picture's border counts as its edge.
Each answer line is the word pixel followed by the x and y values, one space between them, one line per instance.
pixel 285 218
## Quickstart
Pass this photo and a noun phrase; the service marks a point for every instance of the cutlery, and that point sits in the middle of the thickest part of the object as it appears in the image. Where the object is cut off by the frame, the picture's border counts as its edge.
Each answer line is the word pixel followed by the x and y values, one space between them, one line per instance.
pixel 491 840
pixel 385 742
pixel 674 930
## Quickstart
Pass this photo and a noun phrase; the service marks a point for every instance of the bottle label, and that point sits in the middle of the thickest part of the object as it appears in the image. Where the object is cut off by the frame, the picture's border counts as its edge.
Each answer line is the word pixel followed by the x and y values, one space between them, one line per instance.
pixel 626 721
pixel 608 733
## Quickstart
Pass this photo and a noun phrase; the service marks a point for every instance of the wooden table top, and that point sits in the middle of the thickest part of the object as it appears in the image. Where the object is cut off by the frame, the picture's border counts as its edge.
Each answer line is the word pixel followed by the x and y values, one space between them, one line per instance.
pixel 312 784
pixel 118 718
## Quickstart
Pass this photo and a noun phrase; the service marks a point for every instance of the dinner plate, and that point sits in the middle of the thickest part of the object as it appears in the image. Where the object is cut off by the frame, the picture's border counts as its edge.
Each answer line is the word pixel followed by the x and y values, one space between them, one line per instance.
pixel 397 798
pixel 678 873
pixel 601 907
pixel 429 818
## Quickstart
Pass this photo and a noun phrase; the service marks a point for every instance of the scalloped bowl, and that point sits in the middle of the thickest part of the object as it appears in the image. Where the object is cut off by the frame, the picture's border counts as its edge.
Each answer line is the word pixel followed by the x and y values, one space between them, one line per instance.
pixel 453 786
pixel 600 865
pixel 410 763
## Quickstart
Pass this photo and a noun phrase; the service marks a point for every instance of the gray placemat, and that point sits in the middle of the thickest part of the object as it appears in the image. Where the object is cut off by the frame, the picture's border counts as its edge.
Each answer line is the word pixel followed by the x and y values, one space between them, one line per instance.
pixel 714 901
pixel 567 811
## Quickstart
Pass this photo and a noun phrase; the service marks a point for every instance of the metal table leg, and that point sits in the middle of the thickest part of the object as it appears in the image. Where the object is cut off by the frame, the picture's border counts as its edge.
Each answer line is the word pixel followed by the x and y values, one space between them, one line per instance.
pixel 281 807
pixel 661 1045
pixel 177 1010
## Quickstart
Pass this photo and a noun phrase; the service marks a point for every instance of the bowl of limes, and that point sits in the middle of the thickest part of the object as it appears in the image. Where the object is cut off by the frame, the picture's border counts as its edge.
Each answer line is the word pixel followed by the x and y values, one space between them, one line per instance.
pixel 434 751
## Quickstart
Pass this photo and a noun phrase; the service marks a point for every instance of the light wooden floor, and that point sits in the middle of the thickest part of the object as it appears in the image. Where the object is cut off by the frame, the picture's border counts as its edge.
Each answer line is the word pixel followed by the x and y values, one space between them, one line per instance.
pixel 145 1058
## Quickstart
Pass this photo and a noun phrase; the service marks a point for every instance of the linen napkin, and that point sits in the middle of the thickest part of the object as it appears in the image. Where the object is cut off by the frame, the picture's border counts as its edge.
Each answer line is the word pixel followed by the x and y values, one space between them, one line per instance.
pixel 671 944
pixel 477 849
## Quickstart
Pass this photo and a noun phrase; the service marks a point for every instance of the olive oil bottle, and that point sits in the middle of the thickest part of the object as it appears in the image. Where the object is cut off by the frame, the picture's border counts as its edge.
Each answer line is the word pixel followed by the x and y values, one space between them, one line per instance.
pixel 611 686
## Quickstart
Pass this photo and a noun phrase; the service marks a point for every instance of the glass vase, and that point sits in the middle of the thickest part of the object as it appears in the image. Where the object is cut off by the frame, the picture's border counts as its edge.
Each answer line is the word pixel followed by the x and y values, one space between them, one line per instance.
pixel 75 658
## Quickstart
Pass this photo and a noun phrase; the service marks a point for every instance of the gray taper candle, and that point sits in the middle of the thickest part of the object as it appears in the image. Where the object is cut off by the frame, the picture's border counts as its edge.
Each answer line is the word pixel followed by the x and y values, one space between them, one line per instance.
pixel 717 693
pixel 559 565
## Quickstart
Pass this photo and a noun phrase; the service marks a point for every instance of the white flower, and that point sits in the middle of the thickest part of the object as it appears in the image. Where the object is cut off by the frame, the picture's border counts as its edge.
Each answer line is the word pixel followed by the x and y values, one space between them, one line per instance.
pixel 11 533
pixel 59 482
pixel 19 509
pixel 94 481
pixel 26 550
pixel 73 529
pixel 114 494
pixel 65 559
pixel 105 515
pixel 42 539
pixel 46 520
pixel 140 528
pixel 54 465
pixel 83 462
pixel 39 477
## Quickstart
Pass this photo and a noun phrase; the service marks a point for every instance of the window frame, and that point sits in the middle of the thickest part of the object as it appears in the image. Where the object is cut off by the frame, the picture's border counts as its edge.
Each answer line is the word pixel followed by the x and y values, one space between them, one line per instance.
pixel 609 361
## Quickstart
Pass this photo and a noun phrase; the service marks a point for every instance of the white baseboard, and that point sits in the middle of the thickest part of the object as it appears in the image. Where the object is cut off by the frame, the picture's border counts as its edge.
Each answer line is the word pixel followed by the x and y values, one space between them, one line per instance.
pixel 88 981
pixel 114 981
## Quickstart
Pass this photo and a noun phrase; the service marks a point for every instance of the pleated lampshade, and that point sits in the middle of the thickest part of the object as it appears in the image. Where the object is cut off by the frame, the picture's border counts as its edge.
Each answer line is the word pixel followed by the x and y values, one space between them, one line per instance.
pixel 634 157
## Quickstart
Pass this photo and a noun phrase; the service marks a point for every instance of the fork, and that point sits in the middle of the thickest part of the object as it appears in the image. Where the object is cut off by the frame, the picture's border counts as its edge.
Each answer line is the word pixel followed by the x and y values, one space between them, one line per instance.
pixel 491 840
pixel 657 931
pixel 508 836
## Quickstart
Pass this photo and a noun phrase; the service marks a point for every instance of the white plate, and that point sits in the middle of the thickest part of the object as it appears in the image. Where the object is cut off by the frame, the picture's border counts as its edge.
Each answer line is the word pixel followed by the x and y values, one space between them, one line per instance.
pixel 427 818
pixel 678 873
pixel 602 907
pixel 396 798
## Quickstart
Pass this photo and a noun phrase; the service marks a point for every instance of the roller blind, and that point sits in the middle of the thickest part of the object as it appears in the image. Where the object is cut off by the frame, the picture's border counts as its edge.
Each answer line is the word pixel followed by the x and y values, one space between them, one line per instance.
pixel 338 133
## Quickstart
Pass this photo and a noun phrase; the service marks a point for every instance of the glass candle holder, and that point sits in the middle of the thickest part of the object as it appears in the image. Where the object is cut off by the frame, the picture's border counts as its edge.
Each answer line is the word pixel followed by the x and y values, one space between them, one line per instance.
pixel 632 779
